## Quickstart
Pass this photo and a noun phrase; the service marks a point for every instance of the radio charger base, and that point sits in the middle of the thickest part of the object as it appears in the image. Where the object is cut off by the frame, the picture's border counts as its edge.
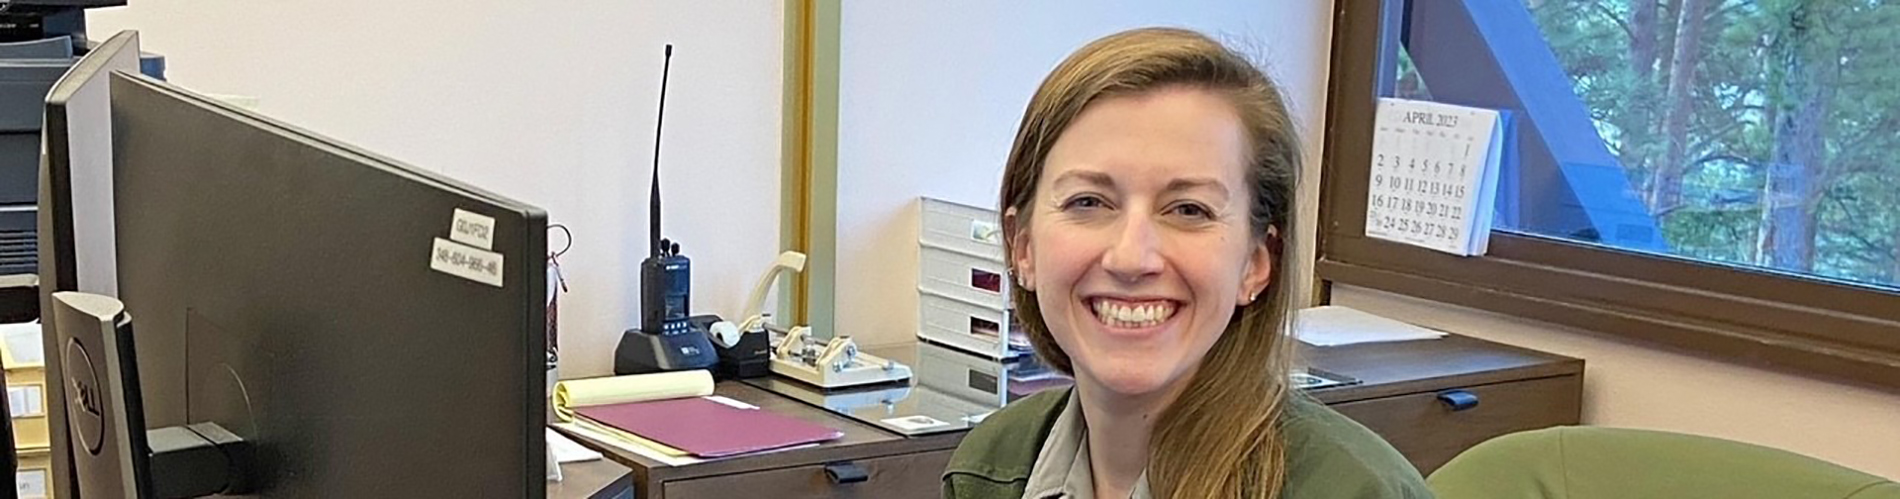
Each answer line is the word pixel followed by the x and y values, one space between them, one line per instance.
pixel 641 352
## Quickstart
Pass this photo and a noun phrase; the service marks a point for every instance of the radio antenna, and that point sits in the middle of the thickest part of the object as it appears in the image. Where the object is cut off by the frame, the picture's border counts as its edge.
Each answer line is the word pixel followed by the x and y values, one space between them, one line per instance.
pixel 658 125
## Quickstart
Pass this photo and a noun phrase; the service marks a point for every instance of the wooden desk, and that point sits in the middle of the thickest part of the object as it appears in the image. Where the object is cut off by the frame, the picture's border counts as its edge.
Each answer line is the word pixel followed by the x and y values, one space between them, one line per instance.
pixel 897 466
pixel 1516 389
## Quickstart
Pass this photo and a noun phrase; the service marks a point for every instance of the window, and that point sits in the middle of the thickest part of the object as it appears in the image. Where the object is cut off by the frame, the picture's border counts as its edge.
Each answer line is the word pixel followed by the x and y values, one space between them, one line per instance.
pixel 1722 175
pixel 1747 133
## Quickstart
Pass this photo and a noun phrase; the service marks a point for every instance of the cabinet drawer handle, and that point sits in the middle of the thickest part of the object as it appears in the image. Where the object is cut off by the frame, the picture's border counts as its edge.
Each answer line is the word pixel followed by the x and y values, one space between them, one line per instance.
pixel 1458 400
pixel 843 473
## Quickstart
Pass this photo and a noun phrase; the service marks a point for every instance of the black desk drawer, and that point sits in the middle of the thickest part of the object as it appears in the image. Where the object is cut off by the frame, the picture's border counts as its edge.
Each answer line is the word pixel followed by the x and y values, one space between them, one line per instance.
pixel 906 475
pixel 1429 428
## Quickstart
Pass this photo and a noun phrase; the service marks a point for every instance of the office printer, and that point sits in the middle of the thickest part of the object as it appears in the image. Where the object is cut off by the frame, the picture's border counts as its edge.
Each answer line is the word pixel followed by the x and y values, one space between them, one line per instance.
pixel 39 41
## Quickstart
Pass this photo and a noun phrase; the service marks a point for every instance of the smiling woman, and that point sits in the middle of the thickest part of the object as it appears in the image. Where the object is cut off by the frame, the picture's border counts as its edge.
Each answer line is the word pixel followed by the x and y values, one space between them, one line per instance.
pixel 1144 202
pixel 1131 248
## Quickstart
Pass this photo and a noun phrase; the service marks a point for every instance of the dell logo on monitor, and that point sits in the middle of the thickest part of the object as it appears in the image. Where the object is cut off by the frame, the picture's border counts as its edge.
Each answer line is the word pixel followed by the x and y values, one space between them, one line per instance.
pixel 86 414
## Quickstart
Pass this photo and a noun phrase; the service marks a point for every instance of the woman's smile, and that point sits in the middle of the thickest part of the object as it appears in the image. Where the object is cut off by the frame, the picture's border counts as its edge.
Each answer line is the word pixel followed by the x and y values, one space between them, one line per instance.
pixel 1132 317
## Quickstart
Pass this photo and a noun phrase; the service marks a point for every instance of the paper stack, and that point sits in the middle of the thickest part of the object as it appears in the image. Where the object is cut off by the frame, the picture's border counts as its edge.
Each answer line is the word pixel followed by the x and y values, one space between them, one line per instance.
pixel 1333 325
pixel 674 418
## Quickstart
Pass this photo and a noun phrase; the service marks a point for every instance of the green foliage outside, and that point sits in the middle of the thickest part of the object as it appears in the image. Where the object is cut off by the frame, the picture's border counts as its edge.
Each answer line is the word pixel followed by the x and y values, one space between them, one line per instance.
pixel 1759 132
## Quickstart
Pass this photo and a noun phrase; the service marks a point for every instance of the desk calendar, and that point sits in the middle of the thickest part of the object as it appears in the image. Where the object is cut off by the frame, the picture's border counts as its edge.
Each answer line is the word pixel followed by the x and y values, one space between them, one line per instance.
pixel 1434 175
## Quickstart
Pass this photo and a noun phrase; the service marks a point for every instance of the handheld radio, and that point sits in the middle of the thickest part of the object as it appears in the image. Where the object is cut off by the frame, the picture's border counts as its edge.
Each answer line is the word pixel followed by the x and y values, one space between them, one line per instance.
pixel 666 339
pixel 666 275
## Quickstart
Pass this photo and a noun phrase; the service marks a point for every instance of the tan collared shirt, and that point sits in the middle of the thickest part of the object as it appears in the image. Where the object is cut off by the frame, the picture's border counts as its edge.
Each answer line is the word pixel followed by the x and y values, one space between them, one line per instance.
pixel 1062 468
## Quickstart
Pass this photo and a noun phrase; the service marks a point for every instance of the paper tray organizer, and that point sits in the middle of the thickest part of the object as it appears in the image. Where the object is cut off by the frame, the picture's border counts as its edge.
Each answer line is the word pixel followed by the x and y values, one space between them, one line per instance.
pixel 981 381
pixel 26 390
pixel 962 283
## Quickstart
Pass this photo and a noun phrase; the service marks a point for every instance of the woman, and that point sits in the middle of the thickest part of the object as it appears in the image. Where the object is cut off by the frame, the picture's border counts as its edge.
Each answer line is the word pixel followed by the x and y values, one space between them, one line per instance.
pixel 1147 203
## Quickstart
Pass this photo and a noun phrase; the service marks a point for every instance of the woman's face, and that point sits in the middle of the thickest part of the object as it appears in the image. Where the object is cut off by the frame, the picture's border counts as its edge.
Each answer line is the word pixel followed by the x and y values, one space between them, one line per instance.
pixel 1139 247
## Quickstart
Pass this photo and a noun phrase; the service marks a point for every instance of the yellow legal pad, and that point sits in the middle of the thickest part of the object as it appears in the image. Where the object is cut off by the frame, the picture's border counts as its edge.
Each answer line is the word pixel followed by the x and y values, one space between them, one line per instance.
pixel 573 394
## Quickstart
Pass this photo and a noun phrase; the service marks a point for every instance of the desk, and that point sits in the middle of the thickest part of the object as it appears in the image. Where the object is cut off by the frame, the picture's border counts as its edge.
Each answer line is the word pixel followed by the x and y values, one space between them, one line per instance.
pixel 1517 389
pixel 898 466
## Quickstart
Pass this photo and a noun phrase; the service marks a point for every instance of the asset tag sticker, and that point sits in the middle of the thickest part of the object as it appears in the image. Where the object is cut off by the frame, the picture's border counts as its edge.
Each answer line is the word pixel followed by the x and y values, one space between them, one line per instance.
pixel 466 262
pixel 473 229
pixel 914 423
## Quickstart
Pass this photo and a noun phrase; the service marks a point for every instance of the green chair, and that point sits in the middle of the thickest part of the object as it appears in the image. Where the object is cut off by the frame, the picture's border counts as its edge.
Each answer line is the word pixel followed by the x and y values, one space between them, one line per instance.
pixel 1591 463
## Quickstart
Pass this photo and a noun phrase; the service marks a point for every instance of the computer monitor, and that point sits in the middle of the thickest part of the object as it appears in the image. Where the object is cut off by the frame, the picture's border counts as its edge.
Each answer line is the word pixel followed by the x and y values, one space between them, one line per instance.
pixel 75 228
pixel 311 299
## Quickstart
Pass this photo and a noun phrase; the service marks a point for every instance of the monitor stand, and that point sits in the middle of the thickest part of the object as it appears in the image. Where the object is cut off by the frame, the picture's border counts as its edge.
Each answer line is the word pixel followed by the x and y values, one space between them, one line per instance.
pixel 106 412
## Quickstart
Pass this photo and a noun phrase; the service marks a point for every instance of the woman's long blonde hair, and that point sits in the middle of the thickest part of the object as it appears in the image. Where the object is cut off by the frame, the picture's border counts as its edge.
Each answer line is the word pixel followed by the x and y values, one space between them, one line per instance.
pixel 1220 438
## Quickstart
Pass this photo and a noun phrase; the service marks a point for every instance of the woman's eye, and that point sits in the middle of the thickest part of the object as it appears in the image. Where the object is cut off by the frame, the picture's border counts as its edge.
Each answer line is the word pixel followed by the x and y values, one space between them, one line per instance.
pixel 1192 210
pixel 1083 202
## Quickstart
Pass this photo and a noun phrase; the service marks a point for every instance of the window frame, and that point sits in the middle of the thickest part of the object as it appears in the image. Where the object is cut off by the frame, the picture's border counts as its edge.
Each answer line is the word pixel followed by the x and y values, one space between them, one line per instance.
pixel 1755 317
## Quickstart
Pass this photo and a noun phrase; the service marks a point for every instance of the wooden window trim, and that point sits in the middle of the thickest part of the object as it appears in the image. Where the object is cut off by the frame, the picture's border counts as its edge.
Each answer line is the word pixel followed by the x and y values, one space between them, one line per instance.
pixel 1758 318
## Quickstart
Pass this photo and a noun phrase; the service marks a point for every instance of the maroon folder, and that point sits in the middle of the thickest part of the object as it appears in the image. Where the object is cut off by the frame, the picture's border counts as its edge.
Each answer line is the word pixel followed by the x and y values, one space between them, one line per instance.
pixel 708 429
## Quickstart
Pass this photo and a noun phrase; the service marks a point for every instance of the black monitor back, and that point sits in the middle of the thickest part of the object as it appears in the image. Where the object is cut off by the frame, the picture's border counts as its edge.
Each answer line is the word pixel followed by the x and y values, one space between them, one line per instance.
pixel 285 289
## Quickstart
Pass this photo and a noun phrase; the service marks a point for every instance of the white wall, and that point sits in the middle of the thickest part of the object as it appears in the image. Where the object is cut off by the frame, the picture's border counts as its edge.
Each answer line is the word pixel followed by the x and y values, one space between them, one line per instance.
pixel 1634 385
pixel 551 103
pixel 931 92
